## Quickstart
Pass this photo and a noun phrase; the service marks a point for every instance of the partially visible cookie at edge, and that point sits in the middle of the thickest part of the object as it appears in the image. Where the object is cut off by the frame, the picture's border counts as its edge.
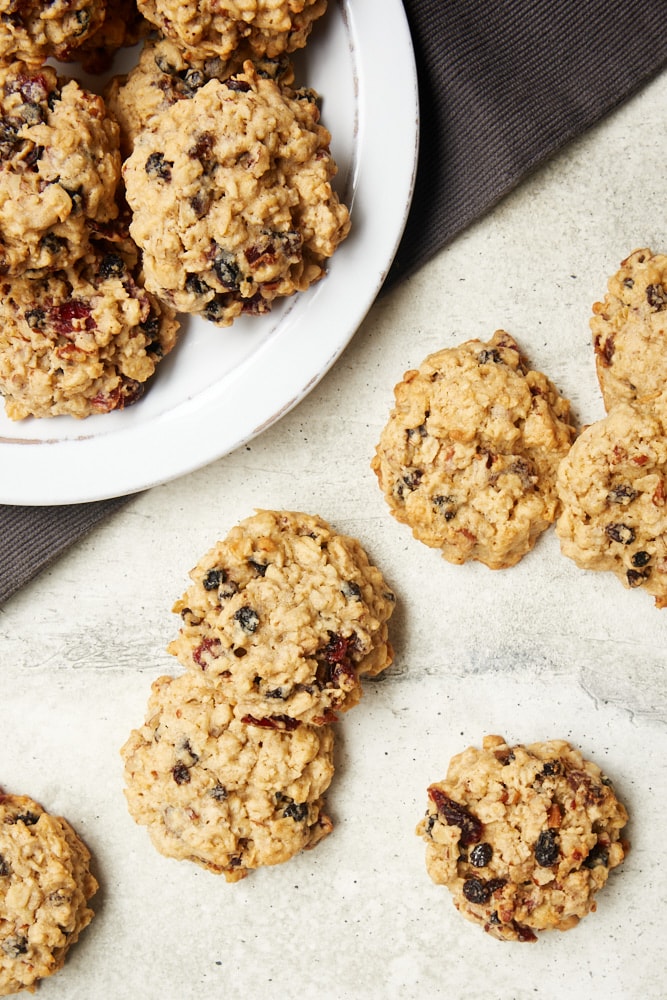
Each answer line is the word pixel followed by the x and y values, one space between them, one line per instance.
pixel 629 328
pixel 227 796
pixel 45 885
pixel 613 491
pixel 524 837
pixel 286 615
pixel 468 456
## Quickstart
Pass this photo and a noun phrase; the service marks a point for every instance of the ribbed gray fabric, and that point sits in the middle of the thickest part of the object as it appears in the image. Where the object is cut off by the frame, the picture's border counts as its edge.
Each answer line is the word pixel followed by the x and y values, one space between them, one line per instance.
pixel 503 86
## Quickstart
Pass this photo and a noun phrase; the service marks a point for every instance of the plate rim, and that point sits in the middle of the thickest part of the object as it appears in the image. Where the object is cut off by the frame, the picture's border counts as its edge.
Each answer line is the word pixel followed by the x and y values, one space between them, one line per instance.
pixel 83 469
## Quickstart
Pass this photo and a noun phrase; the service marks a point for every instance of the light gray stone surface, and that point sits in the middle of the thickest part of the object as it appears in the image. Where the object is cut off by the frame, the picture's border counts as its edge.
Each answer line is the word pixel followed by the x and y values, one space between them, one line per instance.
pixel 542 650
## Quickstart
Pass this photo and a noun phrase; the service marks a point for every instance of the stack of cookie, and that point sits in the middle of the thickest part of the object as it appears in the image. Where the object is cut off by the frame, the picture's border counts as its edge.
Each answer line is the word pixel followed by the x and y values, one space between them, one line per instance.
pixel 283 619
pixel 201 183
pixel 613 484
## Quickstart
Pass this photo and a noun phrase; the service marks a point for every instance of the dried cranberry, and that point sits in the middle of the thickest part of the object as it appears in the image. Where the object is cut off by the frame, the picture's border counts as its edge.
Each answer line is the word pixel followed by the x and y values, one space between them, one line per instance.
pixel 480 855
pixel 457 815
pixel 207 645
pixel 546 849
pixel 65 317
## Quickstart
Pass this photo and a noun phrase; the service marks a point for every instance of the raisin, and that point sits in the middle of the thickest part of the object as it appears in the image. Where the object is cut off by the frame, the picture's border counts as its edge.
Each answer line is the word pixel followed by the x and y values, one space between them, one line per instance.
pixel 213 579
pixel 181 774
pixel 275 693
pixel 15 946
pixel 35 318
pixel 112 265
pixel 219 793
pixel 157 166
pixel 551 767
pixel 641 558
pixel 27 818
pixel 4 867
pixel 241 86
pixel 457 815
pixel 201 150
pixel 196 285
pixel 247 618
pixel 351 590
pixel 259 567
pixel 226 269
pixel 622 494
pixel 485 356
pixel 621 533
pixel 53 244
pixel 193 80
pixel 546 849
pixel 598 855
pixel 476 890
pixel 656 297
pixel 446 505
pixel 413 478
pixel 636 577
pixel 298 811
pixel 76 197
pixel 480 855
pixel 82 21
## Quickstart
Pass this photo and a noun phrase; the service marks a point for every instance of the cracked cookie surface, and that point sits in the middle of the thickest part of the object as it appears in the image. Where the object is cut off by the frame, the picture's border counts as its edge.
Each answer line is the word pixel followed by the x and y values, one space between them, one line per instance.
pixel 613 491
pixel 469 454
pixel 59 172
pixel 629 328
pixel 227 796
pixel 45 885
pixel 523 837
pixel 286 616
pixel 232 201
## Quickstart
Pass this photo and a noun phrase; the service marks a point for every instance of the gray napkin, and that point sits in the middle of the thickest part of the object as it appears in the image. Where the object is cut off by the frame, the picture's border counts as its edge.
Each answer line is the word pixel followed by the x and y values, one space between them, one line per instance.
pixel 503 86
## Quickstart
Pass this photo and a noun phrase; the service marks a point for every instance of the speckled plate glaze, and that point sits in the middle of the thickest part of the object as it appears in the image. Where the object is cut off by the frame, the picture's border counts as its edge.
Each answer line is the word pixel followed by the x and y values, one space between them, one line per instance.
pixel 222 387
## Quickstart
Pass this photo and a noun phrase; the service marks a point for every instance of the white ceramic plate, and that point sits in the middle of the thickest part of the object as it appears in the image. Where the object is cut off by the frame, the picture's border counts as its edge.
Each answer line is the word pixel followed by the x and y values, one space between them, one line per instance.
pixel 221 387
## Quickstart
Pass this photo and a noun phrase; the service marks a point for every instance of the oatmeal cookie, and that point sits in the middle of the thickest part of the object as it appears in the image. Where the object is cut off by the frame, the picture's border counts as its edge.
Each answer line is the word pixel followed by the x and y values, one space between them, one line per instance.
pixel 523 836
pixel 232 198
pixel 123 26
pixel 45 885
pixel 613 491
pixel 286 616
pixel 469 454
pixel 34 31
pixel 59 170
pixel 165 74
pixel 213 790
pixel 83 340
pixel 219 27
pixel 629 330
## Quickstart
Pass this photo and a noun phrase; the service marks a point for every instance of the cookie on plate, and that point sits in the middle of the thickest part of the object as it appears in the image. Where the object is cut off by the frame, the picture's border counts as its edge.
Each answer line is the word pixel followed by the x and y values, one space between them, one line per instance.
pixel 285 615
pixel 219 27
pixel 523 836
pixel 83 340
pixel 469 454
pixel 629 330
pixel 165 74
pixel 59 172
pixel 232 198
pixel 45 885
pixel 213 790
pixel 613 491
pixel 34 31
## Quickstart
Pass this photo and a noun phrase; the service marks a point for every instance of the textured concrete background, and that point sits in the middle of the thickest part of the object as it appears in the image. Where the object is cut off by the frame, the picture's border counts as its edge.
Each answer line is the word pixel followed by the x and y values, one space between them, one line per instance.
pixel 542 650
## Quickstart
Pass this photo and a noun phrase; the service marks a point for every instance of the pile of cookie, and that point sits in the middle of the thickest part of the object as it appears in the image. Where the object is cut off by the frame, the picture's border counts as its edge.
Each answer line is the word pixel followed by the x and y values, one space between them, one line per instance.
pixel 480 454
pixel 198 183
pixel 45 885
pixel 282 621
pixel 613 484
